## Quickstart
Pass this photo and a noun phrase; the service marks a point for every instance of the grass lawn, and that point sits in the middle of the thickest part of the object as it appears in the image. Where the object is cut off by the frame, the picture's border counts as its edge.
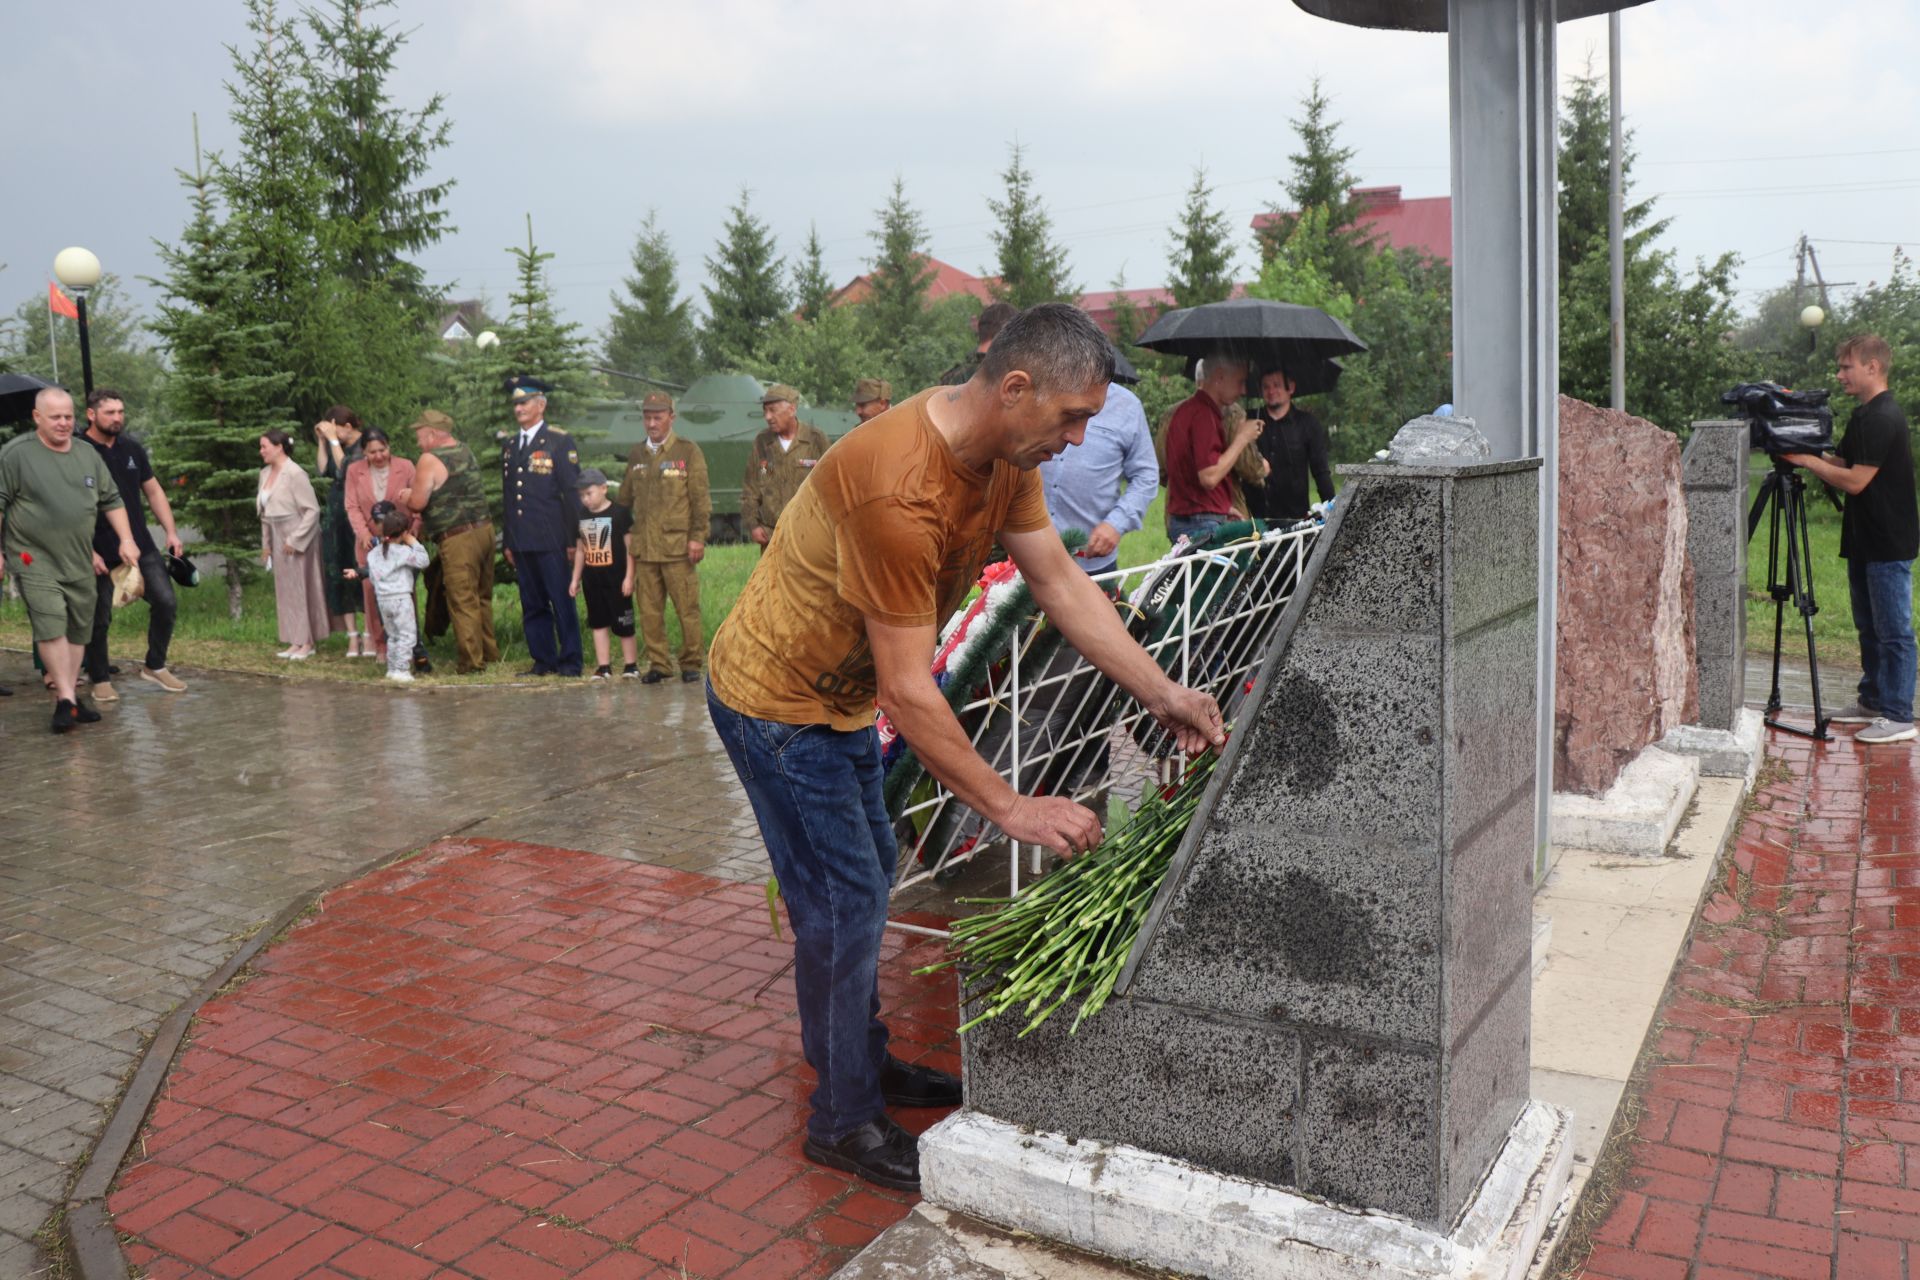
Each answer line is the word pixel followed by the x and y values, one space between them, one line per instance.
pixel 205 637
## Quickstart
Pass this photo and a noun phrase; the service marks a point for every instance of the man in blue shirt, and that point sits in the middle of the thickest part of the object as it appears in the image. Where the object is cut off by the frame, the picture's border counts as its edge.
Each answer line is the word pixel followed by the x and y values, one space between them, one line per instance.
pixel 1083 484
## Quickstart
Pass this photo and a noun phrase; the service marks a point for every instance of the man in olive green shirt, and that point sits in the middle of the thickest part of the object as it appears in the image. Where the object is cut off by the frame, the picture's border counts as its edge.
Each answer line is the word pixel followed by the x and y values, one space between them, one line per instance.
pixel 783 456
pixel 51 494
pixel 666 488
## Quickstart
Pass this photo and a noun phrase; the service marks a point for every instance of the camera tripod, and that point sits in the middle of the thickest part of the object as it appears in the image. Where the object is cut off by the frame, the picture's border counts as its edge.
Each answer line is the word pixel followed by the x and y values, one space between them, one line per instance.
pixel 1784 493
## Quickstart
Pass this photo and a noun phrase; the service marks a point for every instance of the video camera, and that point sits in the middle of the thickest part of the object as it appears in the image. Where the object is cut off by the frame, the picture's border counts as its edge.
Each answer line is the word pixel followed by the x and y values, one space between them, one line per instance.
pixel 1780 420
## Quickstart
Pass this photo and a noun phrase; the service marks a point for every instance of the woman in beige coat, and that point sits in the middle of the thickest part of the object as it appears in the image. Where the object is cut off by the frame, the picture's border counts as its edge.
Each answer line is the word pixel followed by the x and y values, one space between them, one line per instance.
pixel 289 546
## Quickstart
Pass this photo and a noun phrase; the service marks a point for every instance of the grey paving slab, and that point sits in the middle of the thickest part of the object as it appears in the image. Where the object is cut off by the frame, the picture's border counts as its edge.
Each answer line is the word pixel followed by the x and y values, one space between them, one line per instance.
pixel 139 853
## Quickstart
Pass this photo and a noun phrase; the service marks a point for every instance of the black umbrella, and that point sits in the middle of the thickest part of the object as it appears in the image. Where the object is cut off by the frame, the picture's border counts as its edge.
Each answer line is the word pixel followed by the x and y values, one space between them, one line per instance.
pixel 1271 335
pixel 17 392
pixel 1123 371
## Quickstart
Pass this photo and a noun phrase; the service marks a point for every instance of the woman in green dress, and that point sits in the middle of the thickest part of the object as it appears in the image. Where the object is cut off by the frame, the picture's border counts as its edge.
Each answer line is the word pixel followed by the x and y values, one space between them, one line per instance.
pixel 337 436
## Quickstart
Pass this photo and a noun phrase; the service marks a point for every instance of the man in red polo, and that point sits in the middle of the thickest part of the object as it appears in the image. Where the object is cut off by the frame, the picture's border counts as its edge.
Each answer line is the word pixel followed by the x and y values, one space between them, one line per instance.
pixel 1200 454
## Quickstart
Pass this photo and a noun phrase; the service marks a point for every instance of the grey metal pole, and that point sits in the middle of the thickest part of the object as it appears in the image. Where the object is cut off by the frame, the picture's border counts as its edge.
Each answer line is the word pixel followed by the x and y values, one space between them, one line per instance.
pixel 1617 218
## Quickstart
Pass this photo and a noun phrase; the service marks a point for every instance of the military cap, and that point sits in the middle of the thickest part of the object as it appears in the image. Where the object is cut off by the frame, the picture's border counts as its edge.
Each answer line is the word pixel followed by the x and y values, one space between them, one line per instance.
pixel 656 400
pixel 432 420
pixel 780 391
pixel 523 386
pixel 590 475
pixel 869 389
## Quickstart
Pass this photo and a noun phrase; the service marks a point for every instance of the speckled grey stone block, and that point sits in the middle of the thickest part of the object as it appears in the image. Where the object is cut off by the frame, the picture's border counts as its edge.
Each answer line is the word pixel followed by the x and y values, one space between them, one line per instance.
pixel 1714 476
pixel 1370 1128
pixel 1352 901
pixel 1211 1090
pixel 1338 933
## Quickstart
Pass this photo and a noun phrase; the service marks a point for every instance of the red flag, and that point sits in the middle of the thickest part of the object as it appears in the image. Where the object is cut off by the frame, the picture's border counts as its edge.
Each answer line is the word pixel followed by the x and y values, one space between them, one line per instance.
pixel 59 303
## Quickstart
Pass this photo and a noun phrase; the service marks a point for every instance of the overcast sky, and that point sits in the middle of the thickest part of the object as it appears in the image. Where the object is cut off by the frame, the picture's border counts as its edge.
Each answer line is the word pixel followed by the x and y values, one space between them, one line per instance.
pixel 1755 121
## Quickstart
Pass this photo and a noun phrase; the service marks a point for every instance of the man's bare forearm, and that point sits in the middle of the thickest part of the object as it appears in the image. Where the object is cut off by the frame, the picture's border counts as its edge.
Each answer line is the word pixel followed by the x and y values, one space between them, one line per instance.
pixel 1086 617
pixel 920 713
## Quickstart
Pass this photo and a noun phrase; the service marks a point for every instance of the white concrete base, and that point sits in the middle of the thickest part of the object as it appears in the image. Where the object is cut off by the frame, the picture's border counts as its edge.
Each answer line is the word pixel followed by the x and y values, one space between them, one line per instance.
pixel 1125 1203
pixel 1723 753
pixel 1638 814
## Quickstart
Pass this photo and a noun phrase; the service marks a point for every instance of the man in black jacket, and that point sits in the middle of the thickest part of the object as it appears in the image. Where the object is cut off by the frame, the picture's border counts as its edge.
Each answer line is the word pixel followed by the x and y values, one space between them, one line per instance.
pixel 1295 446
pixel 540 473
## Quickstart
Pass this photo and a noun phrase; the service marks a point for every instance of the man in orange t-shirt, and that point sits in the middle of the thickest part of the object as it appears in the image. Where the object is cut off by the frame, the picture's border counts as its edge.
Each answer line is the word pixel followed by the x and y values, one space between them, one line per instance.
pixel 873 553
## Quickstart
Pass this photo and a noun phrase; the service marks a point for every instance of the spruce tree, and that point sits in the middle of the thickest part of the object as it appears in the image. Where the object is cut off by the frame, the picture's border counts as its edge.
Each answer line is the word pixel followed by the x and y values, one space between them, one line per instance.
pixel 275 196
pixel 1201 249
pixel 651 332
pixel 1322 179
pixel 901 271
pixel 1032 267
pixel 1678 359
pixel 811 284
pixel 381 207
pixel 228 384
pixel 746 296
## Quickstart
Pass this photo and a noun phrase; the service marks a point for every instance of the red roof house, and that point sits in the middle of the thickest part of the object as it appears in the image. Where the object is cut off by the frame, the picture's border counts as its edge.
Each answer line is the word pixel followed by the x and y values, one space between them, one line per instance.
pixel 1424 223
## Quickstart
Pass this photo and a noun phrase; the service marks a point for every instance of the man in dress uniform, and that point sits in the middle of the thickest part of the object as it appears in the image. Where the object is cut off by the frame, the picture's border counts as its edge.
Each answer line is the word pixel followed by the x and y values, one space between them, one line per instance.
pixel 872 397
pixel 666 488
pixel 541 508
pixel 783 456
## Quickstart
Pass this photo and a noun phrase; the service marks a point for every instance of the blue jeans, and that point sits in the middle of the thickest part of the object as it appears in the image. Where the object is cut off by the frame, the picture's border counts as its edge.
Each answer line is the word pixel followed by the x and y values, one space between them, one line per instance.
pixel 1882 593
pixel 816 792
pixel 1196 527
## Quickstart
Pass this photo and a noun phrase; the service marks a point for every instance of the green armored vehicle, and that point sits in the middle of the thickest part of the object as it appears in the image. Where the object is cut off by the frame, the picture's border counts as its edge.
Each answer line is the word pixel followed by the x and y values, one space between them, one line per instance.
pixel 719 412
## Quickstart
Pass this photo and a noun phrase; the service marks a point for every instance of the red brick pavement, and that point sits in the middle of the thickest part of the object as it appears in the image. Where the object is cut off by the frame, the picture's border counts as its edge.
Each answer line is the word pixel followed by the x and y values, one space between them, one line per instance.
pixel 1781 1136
pixel 513 1063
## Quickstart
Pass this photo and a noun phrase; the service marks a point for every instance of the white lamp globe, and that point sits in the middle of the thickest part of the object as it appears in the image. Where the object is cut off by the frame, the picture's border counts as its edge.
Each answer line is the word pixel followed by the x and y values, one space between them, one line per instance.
pixel 1812 317
pixel 487 339
pixel 76 268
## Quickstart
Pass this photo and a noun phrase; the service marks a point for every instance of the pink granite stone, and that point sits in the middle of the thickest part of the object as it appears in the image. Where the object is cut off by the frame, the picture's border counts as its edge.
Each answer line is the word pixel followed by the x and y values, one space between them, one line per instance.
pixel 1625 672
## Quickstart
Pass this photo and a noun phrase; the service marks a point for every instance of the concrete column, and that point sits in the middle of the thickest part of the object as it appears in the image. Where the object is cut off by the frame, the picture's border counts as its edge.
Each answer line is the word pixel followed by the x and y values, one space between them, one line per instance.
pixel 1332 992
pixel 1506 312
pixel 1713 472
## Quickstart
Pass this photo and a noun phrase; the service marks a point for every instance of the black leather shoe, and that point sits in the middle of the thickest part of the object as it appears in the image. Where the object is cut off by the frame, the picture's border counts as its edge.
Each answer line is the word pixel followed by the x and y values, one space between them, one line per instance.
pixel 880 1151
pixel 84 714
pixel 689 677
pixel 653 677
pixel 904 1084
pixel 536 670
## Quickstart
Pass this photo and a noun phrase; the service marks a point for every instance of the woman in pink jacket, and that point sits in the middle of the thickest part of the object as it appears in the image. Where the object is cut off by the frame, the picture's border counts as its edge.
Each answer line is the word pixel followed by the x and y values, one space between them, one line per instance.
pixel 379 476
pixel 290 547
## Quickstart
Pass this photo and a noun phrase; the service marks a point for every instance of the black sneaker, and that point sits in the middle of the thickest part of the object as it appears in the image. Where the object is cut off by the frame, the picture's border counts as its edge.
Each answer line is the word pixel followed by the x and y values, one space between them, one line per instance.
pixel 906 1084
pixel 653 677
pixel 689 677
pixel 62 716
pixel 603 673
pixel 880 1151
pixel 630 672
pixel 84 714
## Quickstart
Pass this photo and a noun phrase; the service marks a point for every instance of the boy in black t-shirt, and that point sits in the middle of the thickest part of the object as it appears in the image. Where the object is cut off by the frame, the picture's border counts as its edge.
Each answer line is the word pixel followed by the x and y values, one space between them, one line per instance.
pixel 1879 538
pixel 601 568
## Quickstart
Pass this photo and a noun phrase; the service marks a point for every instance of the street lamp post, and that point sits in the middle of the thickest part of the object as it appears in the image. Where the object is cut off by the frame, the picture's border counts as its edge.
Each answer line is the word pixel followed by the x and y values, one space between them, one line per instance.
pixel 79 270
pixel 1811 318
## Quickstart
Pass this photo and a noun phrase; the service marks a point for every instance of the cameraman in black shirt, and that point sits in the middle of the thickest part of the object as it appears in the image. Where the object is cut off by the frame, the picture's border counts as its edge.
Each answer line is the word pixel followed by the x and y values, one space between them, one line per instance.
pixel 1879 538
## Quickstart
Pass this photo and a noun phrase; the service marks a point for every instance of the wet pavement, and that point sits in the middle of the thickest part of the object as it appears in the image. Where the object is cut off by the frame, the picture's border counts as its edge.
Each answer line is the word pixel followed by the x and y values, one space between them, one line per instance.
pixel 137 854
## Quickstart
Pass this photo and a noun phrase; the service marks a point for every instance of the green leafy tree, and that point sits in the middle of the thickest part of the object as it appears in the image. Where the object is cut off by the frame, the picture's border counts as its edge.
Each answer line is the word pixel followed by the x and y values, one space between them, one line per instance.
pixel 1678 356
pixel 746 297
pixel 901 270
pixel 1322 179
pixel 228 384
pixel 811 284
pixel 651 332
pixel 1032 266
pixel 821 358
pixel 1772 344
pixel 1200 249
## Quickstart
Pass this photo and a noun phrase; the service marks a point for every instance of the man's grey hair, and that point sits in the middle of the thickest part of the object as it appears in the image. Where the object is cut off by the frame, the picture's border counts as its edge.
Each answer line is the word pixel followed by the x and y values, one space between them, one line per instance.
pixel 44 394
pixel 1057 345
pixel 1219 359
